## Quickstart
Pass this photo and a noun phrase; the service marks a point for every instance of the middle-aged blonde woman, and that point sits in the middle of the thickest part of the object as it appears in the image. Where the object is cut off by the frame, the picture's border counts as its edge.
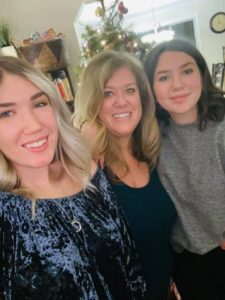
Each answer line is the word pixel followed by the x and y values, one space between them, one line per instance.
pixel 116 112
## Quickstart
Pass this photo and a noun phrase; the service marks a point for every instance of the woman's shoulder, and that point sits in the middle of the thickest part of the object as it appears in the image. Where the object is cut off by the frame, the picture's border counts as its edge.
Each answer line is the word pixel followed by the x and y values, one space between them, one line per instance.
pixel 103 187
pixel 100 181
pixel 218 132
pixel 221 124
pixel 12 205
pixel 8 197
pixel 215 129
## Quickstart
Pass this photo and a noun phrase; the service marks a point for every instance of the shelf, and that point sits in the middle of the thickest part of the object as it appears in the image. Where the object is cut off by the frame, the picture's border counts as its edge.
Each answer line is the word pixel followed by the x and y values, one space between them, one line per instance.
pixel 63 82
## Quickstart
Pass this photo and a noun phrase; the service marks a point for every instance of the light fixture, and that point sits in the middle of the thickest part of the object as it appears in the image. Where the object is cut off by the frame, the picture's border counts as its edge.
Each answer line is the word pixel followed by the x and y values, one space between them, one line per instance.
pixel 159 34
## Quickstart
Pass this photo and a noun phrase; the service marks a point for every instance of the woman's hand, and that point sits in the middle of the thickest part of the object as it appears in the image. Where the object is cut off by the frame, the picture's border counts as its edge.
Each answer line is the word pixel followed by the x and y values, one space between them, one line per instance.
pixel 174 294
pixel 223 245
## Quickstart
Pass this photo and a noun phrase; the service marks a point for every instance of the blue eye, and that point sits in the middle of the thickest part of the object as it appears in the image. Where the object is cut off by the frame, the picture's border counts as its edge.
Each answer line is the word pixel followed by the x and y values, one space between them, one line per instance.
pixel 6 114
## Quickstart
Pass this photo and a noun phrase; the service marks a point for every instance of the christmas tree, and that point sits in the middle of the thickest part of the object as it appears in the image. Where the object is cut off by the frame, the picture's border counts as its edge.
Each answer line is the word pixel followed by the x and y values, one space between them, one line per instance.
pixel 110 34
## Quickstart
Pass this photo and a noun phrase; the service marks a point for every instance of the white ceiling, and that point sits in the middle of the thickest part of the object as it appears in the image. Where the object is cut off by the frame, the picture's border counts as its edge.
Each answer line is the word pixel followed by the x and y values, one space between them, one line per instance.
pixel 87 11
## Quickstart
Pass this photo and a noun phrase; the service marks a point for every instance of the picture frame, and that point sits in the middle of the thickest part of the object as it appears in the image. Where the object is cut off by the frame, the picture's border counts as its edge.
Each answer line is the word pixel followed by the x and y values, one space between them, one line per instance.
pixel 218 75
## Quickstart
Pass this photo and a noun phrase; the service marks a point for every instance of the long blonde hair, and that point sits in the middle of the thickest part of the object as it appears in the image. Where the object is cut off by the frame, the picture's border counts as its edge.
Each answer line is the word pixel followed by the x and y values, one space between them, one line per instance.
pixel 71 150
pixel 89 99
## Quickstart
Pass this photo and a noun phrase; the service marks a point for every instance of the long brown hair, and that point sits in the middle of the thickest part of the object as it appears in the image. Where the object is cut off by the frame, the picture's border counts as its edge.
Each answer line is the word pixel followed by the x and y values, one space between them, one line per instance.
pixel 211 104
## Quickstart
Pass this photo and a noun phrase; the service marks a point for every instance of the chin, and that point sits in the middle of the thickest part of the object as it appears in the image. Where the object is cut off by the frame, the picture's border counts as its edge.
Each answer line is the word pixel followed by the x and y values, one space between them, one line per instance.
pixel 42 163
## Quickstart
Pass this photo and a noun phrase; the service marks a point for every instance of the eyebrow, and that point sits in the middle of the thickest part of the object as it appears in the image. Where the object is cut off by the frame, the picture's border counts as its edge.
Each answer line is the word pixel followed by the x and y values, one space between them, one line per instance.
pixel 181 67
pixel 126 85
pixel 37 95
pixel 33 97
pixel 7 104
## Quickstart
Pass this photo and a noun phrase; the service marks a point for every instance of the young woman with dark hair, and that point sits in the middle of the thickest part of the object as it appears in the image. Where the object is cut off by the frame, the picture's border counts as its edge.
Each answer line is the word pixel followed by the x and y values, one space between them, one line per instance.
pixel 190 111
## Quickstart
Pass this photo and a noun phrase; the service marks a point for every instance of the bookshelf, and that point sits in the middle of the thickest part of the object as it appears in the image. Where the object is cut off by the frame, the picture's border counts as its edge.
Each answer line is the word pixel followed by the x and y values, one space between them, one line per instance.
pixel 50 57
pixel 62 80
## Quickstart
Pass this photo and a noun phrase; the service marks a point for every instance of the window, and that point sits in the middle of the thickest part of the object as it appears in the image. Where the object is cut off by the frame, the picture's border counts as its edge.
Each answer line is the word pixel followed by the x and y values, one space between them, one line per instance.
pixel 155 19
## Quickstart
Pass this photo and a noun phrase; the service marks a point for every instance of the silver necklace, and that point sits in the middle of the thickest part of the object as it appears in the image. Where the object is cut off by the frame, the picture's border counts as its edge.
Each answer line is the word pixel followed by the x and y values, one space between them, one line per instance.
pixel 76 224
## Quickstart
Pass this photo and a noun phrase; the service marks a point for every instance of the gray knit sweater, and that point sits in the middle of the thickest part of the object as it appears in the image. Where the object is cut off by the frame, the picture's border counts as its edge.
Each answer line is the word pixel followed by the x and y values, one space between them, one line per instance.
pixel 192 169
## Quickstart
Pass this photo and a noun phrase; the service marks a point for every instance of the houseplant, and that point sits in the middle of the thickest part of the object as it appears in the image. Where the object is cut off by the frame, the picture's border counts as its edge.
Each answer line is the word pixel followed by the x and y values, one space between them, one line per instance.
pixel 6 36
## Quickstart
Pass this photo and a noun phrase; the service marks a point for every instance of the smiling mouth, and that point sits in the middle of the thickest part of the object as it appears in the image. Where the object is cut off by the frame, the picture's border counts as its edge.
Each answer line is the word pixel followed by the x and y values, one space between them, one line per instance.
pixel 179 97
pixel 35 144
pixel 122 115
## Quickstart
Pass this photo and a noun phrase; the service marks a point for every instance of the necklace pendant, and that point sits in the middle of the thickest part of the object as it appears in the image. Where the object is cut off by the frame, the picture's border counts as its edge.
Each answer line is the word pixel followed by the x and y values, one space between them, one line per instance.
pixel 76 225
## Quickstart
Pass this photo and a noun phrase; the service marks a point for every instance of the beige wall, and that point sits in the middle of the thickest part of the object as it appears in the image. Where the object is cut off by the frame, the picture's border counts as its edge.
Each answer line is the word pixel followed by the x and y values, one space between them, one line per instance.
pixel 28 16
pixel 209 43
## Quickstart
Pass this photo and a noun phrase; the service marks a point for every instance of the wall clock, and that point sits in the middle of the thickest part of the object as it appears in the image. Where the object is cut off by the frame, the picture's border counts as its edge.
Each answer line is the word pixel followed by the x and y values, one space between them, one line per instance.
pixel 217 22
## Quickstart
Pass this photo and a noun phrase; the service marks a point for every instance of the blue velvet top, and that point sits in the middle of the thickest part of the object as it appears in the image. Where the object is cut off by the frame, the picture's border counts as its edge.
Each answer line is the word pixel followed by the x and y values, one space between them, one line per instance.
pixel 150 214
pixel 47 259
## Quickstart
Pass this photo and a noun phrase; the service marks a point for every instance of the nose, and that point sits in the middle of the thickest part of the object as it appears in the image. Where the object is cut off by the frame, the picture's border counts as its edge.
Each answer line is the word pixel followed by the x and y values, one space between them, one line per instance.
pixel 120 99
pixel 177 82
pixel 30 122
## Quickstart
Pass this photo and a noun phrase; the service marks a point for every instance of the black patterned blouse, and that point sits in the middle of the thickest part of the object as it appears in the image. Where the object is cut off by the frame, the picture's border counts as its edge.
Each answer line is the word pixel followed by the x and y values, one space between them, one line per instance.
pixel 48 258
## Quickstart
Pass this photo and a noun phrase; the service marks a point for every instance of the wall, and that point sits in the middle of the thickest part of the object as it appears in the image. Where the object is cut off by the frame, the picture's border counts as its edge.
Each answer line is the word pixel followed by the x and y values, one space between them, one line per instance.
pixel 28 16
pixel 209 43
pixel 35 15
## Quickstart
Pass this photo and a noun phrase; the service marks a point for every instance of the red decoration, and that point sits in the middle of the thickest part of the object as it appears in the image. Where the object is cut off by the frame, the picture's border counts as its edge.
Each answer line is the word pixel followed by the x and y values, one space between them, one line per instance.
pixel 122 9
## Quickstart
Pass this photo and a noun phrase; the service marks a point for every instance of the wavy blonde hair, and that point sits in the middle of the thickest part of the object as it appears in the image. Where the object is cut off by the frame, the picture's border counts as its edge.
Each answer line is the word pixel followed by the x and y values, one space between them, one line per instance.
pixel 89 99
pixel 70 151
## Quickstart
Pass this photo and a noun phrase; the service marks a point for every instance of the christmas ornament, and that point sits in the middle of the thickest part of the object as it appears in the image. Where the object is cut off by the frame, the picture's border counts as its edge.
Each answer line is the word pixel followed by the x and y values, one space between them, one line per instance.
pixel 122 9
pixel 103 43
pixel 100 12
pixel 110 34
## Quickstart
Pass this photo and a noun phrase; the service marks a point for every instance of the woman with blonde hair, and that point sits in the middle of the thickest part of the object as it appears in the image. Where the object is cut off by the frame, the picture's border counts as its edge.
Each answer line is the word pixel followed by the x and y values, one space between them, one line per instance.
pixel 62 235
pixel 115 110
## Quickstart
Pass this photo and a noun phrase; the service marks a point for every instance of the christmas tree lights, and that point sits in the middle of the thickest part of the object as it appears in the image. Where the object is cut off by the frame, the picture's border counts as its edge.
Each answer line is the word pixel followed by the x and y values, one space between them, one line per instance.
pixel 110 34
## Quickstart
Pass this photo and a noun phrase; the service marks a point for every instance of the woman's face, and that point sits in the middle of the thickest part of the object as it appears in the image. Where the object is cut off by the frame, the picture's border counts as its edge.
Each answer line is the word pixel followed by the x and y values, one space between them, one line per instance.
pixel 178 85
pixel 28 128
pixel 121 109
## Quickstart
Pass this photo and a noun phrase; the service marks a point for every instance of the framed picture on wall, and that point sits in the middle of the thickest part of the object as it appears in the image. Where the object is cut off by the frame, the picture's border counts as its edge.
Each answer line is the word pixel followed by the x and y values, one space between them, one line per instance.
pixel 218 75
